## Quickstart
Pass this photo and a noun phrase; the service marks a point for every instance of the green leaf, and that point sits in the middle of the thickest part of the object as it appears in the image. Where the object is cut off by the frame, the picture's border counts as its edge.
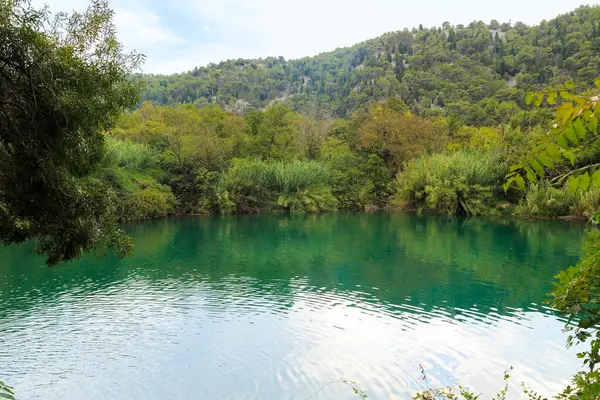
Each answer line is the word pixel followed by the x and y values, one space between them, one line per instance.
pixel 535 164
pixel 566 95
pixel 568 114
pixel 571 135
pixel 529 98
pixel 579 128
pixel 539 98
pixel 586 323
pixel 520 182
pixel 596 178
pixel 546 160
pixel 592 124
pixel 554 151
pixel 597 82
pixel 573 184
pixel 562 141
pixel 570 84
pixel 507 184
pixel 531 176
pixel 569 156
pixel 551 99
pixel 515 167
pixel 564 108
pixel 584 182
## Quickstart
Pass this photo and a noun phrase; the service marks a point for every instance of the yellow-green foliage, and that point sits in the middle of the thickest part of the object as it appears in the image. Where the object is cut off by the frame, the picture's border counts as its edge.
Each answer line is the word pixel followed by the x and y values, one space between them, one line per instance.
pixel 6 391
pixel 486 138
pixel 461 182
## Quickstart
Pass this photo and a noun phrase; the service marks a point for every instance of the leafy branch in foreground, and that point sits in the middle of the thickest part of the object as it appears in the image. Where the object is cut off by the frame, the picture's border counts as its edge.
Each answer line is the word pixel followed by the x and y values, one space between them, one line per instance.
pixel 458 392
pixel 575 126
pixel 577 292
pixel 6 392
pixel 63 80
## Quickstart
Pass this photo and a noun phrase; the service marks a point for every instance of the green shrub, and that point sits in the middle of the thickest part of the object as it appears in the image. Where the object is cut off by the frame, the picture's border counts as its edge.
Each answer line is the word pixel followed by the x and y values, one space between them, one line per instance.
pixel 543 200
pixel 461 182
pixel 196 190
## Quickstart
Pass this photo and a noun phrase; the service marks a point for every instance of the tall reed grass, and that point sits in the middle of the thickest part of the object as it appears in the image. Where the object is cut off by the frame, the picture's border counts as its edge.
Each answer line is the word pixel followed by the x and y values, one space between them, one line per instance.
pixel 128 154
pixel 280 177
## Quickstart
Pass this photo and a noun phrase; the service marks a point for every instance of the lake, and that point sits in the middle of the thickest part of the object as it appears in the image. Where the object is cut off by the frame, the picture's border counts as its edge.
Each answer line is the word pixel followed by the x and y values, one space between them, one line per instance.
pixel 275 307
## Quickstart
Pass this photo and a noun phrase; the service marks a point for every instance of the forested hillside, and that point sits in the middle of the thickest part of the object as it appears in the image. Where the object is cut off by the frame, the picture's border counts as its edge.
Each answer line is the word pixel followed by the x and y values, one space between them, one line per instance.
pixel 480 72
pixel 428 119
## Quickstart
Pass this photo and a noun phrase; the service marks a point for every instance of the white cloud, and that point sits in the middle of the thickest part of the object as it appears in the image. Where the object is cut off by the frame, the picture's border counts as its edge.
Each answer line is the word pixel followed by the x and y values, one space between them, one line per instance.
pixel 298 28
pixel 193 56
pixel 201 31
pixel 138 27
pixel 62 5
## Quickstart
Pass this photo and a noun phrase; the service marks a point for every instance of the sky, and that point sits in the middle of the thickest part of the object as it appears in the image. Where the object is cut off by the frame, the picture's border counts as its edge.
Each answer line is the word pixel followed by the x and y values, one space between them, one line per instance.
pixel 178 35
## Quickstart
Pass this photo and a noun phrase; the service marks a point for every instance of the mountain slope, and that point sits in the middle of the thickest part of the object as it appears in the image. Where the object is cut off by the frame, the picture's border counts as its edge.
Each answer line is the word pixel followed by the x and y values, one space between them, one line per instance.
pixel 479 72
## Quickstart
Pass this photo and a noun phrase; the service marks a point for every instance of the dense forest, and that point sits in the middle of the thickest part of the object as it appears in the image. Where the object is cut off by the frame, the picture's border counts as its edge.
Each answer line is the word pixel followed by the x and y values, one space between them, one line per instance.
pixel 478 72
pixel 428 120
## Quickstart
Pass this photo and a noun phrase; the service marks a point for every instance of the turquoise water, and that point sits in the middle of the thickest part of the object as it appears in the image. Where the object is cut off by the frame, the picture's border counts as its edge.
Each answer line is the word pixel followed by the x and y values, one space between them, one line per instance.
pixel 274 307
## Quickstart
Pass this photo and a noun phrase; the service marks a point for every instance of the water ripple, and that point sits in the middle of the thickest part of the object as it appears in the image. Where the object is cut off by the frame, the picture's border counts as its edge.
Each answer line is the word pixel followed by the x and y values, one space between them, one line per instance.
pixel 238 315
